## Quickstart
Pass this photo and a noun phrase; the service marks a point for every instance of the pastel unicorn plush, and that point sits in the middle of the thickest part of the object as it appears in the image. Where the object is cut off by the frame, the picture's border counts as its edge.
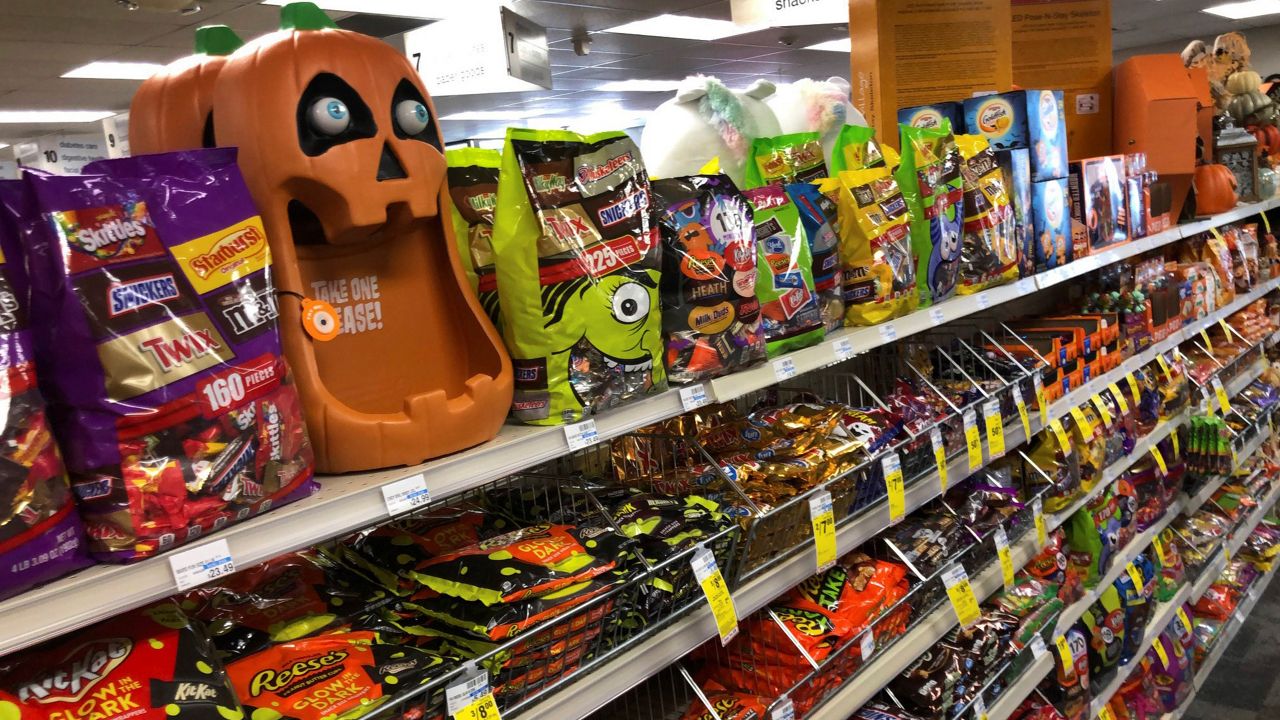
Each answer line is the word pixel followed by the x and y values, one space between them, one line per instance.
pixel 815 106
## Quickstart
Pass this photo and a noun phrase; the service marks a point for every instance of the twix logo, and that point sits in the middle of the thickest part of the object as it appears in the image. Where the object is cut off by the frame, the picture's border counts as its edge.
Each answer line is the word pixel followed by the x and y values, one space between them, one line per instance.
pixel 79 672
pixel 170 353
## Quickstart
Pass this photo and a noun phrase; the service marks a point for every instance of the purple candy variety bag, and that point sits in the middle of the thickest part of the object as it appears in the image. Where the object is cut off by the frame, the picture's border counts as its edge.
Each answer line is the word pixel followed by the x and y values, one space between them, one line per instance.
pixel 155 329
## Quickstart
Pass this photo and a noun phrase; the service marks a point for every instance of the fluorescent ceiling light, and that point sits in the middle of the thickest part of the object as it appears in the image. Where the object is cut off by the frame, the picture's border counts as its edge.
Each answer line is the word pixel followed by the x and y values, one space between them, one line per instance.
pixel 493 115
pixel 53 116
pixel 424 9
pixel 3 145
pixel 844 45
pixel 684 27
pixel 1241 10
pixel 111 70
pixel 639 86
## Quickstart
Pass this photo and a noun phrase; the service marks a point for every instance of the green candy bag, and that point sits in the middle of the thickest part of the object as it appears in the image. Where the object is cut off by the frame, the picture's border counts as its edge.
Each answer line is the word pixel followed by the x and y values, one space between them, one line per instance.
pixel 578 263
pixel 473 187
pixel 930 180
pixel 782 159
pixel 789 309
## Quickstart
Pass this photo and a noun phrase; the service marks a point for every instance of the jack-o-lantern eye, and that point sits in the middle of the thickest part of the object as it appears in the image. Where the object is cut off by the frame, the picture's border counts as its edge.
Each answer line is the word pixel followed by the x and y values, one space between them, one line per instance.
pixel 331 112
pixel 630 303
pixel 410 118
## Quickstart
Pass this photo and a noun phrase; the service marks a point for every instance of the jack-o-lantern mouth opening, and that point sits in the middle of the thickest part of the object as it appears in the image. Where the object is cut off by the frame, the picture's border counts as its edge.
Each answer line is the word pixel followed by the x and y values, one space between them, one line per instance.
pixel 307 228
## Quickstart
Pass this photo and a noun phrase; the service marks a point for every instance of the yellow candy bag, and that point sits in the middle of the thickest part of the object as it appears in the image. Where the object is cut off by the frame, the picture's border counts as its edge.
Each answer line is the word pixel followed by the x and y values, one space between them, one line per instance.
pixel 989 253
pixel 875 246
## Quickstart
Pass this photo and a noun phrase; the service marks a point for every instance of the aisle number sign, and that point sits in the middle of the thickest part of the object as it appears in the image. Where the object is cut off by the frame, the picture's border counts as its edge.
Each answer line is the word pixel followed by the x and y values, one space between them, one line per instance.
pixel 973 441
pixel 1022 412
pixel 939 455
pixel 1119 398
pixel 708 576
pixel 1006 557
pixel 891 464
pixel 823 516
pixel 1041 400
pixel 960 591
pixel 995 428
pixel 1037 514
pixel 1223 401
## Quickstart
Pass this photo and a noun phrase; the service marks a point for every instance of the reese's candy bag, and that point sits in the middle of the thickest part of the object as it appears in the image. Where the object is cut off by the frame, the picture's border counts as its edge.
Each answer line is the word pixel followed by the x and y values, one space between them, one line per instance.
pixel 344 675
pixel 147 664
pixel 473 187
pixel 710 313
pixel 875 246
pixel 578 266
pixel 155 316
pixel 931 185
pixel 989 254
pixel 784 277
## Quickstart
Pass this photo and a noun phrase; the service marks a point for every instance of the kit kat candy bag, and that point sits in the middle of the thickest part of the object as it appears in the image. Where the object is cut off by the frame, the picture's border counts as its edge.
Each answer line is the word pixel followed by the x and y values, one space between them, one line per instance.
pixel 155 318
pixel 929 177
pixel 710 314
pixel 473 188
pixel 875 246
pixel 989 254
pixel 41 536
pixel 578 264
pixel 818 215
pixel 784 277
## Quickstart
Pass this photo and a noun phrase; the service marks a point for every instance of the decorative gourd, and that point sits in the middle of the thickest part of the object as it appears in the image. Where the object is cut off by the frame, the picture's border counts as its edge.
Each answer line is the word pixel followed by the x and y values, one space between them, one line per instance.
pixel 1243 82
pixel 339 146
pixel 1252 106
pixel 172 109
pixel 1215 188
pixel 1268 183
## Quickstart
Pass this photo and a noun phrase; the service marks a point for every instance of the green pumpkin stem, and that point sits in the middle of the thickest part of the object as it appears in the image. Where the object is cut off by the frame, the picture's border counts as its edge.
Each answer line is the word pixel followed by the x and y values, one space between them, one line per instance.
pixel 217 40
pixel 304 16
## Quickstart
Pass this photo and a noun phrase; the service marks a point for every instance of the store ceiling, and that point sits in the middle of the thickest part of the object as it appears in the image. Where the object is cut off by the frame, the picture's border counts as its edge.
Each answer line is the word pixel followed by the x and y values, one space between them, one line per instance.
pixel 42 39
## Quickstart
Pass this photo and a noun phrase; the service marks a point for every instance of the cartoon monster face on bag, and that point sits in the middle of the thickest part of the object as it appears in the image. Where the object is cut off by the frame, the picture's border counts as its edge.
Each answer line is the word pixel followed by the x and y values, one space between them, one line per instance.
pixel 339 146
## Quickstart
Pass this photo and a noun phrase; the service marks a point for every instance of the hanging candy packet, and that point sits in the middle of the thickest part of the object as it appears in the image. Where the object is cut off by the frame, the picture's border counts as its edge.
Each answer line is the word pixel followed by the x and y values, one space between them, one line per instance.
pixel 856 149
pixel 929 177
pixel 473 187
pixel 818 214
pixel 875 246
pixel 578 264
pixel 710 313
pixel 797 157
pixel 155 316
pixel 989 253
pixel 784 277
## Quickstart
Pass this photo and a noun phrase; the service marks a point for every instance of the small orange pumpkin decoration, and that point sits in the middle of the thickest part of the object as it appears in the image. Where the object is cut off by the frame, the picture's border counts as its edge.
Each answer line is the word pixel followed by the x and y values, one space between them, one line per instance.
pixel 172 109
pixel 1215 188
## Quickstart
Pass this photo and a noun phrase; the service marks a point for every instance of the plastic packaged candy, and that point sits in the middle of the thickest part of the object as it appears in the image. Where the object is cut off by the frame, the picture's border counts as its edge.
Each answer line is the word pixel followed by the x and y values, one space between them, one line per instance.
pixel 155 316
pixel 989 255
pixel 727 705
pixel 818 216
pixel 875 246
pixel 784 276
pixel 578 267
pixel 710 313
pixel 1138 604
pixel 1068 688
pixel 1104 621
pixel 793 158
pixel 473 187
pixel 148 664
pixel 932 187
pixel 41 536
pixel 856 149
pixel 345 675
pixel 1172 682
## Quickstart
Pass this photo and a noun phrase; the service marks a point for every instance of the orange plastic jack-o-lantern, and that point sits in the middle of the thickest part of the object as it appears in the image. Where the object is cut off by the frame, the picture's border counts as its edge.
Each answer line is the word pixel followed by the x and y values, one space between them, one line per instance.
pixel 173 110
pixel 338 143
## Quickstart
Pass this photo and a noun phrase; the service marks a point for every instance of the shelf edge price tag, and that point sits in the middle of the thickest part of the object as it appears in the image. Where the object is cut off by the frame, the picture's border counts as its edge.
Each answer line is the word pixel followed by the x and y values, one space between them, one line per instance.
pixel 1223 401
pixel 200 564
pixel 713 585
pixel 1064 650
pixel 939 455
pixel 979 707
pixel 1120 399
pixel 868 646
pixel 1159 458
pixel 1173 438
pixel 995 428
pixel 1022 412
pixel 1133 387
pixel 471 698
pixel 1104 713
pixel 784 368
pixel 936 316
pixel 1006 558
pixel 888 332
pixel 785 710
pixel 1064 443
pixel 891 464
pixel 1135 576
pixel 823 517
pixel 694 397
pixel 843 349
pixel 1159 548
pixel 973 442
pixel 1186 621
pixel 1041 400
pixel 984 301
pixel 1226 329
pixel 1103 411
pixel 1163 654
pixel 1038 649
pixel 960 591
pixel 581 435
pixel 1037 514
pixel 405 495
pixel 1164 367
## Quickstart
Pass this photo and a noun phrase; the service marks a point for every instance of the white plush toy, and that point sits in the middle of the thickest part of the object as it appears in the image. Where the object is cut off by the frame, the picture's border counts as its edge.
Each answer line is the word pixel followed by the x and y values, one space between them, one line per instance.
pixel 707 120
pixel 816 106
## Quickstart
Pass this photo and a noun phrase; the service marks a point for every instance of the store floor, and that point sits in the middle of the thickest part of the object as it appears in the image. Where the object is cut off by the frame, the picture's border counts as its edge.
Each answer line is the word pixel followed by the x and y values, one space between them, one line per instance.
pixel 1245 685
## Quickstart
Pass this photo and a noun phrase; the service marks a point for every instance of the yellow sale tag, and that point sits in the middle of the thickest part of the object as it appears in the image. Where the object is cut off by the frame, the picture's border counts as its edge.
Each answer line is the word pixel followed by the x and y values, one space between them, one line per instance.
pixel 961 593
pixel 1208 344
pixel 1061 433
pixel 1226 329
pixel 995 428
pixel 1037 514
pixel 1161 653
pixel 1136 576
pixel 1006 558
pixel 892 467
pixel 1223 401
pixel 1164 367
pixel 1235 459
pixel 1119 397
pixel 1086 427
pixel 1265 222
pixel 484 708
pixel 1106 714
pixel 1064 651
pixel 823 517
pixel 939 456
pixel 1133 386
pixel 1159 458
pixel 1159 546
pixel 1173 437
pixel 973 441
pixel 1182 617
pixel 1022 413
pixel 1101 405
pixel 717 592
pixel 1041 401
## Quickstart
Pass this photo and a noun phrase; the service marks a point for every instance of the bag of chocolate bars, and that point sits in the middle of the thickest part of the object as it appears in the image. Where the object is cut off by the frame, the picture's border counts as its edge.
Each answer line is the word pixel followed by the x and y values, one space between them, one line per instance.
pixel 578 264
pixel 710 314
pixel 41 536
pixel 473 187
pixel 155 328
